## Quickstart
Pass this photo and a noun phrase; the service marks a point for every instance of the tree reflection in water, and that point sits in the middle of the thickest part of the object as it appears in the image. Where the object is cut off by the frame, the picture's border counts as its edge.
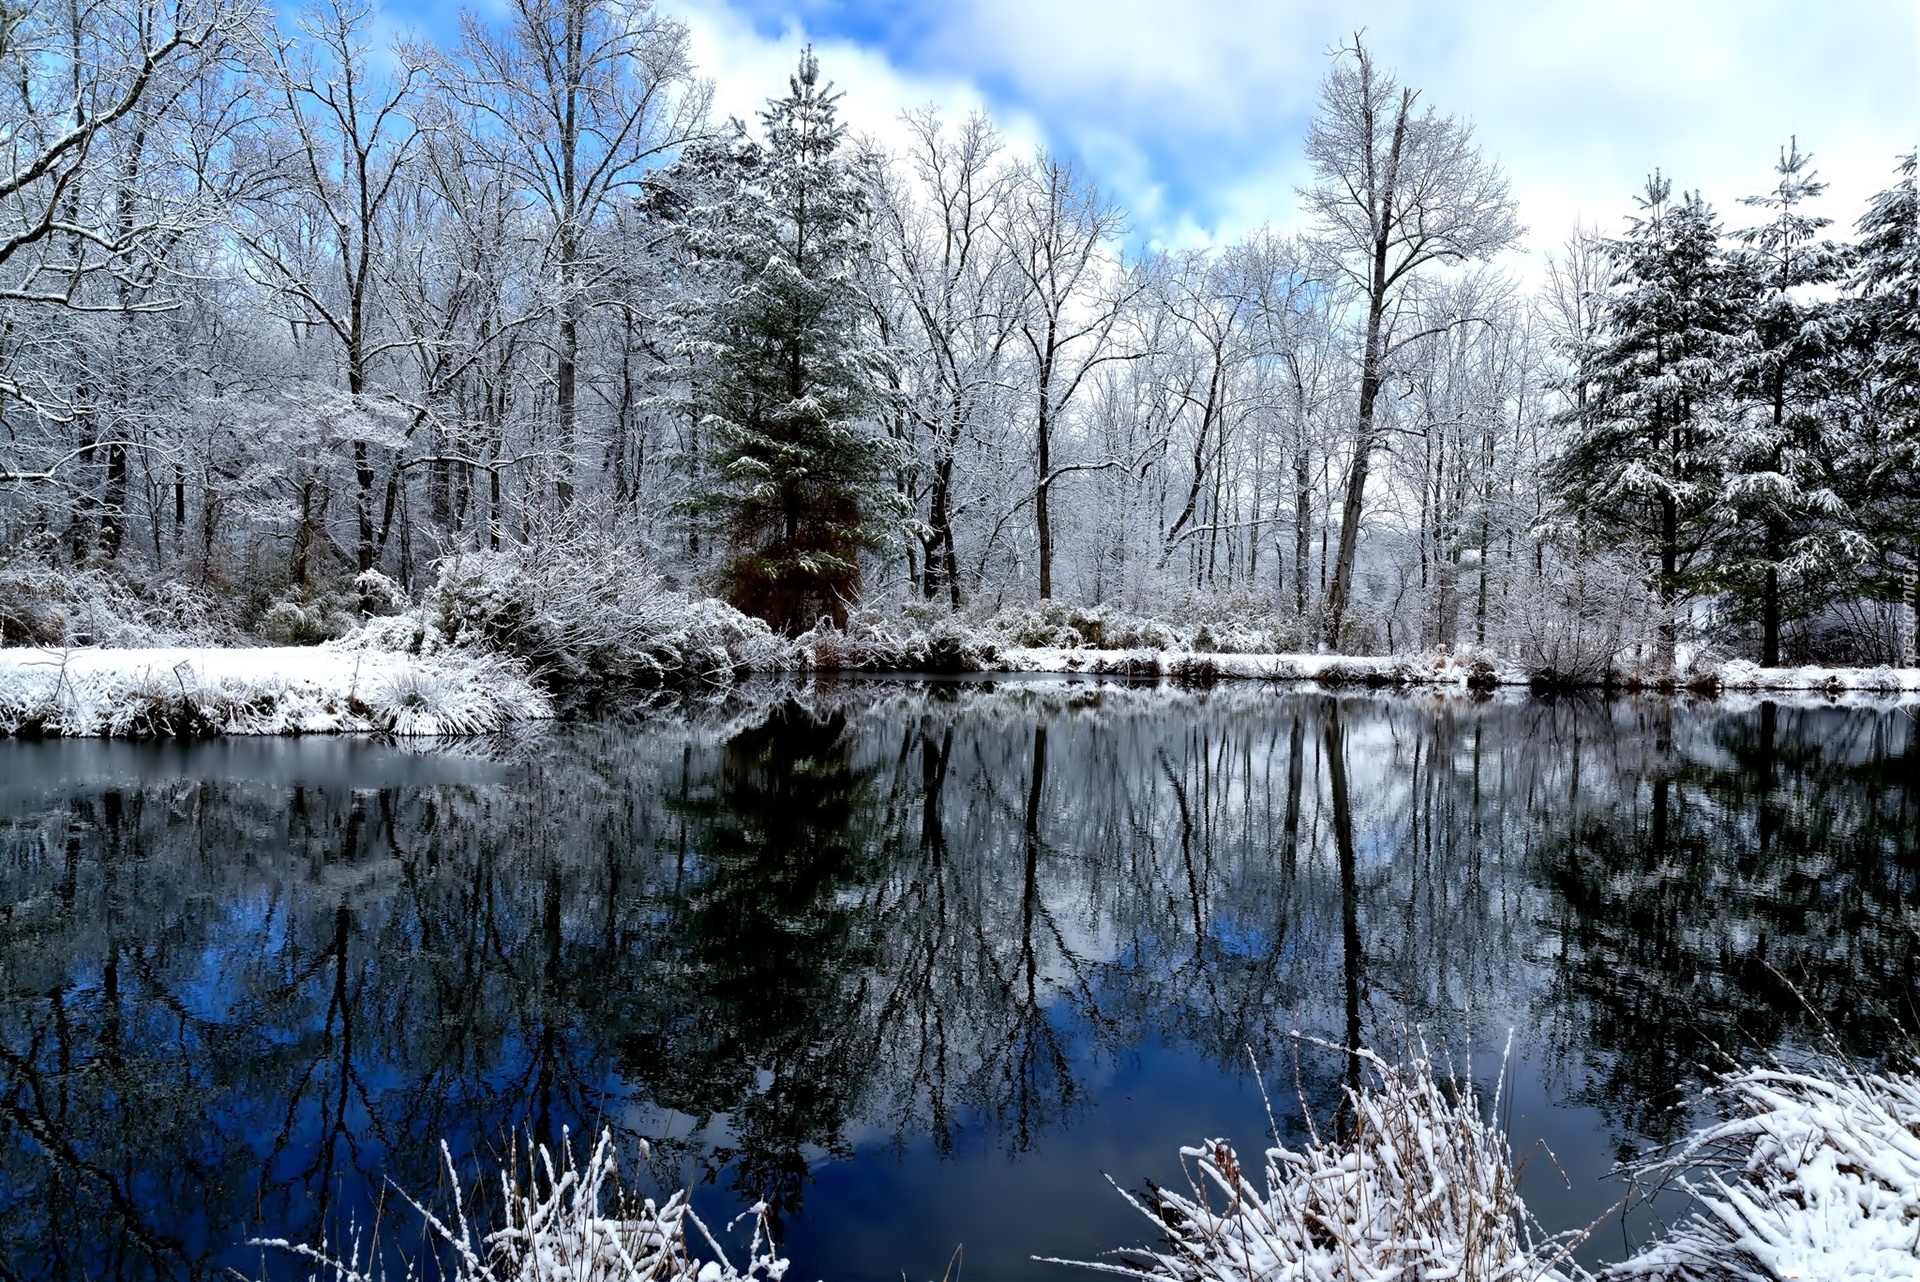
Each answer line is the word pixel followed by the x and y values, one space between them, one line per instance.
pixel 792 929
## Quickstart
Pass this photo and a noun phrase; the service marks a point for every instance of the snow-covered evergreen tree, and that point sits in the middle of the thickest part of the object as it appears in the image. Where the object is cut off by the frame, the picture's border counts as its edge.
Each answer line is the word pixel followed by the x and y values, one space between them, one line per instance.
pixel 1644 467
pixel 1787 521
pixel 1880 390
pixel 784 375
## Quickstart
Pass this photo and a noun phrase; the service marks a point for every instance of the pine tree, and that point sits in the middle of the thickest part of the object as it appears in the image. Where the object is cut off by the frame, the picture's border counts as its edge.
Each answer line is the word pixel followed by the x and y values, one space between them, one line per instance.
pixel 784 375
pixel 1645 463
pixel 1787 520
pixel 1880 394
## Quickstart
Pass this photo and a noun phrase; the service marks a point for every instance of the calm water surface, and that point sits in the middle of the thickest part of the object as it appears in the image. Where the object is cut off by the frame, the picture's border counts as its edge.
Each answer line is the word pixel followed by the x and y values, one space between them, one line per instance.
pixel 916 963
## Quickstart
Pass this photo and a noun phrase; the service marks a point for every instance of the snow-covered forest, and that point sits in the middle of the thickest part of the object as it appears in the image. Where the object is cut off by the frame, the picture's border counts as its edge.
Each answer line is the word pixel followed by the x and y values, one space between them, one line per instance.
pixel 296 321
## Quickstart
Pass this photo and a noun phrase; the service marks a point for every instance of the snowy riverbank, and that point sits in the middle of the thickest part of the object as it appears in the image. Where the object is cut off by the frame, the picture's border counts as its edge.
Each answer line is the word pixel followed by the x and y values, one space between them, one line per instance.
pixel 1327 669
pixel 360 688
pixel 259 691
pixel 1435 669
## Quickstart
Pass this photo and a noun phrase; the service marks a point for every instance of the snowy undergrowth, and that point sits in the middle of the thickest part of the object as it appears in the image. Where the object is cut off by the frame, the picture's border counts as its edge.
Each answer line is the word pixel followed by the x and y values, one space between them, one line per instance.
pixel 140 693
pixel 88 605
pixel 1420 1185
pixel 1438 668
pixel 1817 1176
pixel 1739 674
pixel 568 1223
pixel 575 618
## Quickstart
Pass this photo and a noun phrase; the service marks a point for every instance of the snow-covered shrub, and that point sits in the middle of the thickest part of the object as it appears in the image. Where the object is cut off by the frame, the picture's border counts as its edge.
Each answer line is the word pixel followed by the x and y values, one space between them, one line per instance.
pixel 1816 1176
pixel 43 604
pixel 306 621
pixel 1571 625
pixel 1420 1185
pixel 894 640
pixel 421 700
pixel 585 613
pixel 567 1223
pixel 1040 625
pixel 1225 626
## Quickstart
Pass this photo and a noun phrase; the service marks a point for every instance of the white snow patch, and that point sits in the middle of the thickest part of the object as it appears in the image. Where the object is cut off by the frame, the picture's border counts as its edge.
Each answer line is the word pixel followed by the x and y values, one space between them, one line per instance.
pixel 1739 674
pixel 1434 669
pixel 260 691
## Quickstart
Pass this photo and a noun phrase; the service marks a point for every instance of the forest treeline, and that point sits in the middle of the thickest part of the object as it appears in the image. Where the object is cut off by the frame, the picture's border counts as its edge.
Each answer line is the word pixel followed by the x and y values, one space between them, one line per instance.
pixel 294 315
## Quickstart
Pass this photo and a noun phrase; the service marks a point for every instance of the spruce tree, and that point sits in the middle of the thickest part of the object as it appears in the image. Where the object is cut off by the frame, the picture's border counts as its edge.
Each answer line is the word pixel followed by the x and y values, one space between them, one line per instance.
pixel 1880 393
pixel 1644 464
pixel 1787 521
pixel 784 377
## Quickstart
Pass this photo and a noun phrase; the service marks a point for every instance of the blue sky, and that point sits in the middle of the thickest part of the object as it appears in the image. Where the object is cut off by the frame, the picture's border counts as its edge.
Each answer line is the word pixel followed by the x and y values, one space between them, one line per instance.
pixel 1191 112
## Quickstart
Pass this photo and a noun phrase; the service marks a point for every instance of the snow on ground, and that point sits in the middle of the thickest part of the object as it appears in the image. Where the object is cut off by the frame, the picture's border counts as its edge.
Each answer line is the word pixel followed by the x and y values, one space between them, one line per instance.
pixel 1437 668
pixel 1331 669
pixel 1739 674
pixel 264 690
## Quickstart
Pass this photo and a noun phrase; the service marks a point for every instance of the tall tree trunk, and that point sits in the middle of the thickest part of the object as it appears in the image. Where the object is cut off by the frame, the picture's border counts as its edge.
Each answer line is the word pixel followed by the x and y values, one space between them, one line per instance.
pixel 113 508
pixel 1352 508
pixel 1042 520
pixel 1302 530
pixel 1372 374
pixel 1669 583
pixel 942 569
pixel 566 394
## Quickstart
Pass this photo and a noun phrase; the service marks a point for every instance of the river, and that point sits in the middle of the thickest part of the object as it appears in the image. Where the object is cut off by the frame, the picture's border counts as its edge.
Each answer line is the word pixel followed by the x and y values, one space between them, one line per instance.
pixel 918 963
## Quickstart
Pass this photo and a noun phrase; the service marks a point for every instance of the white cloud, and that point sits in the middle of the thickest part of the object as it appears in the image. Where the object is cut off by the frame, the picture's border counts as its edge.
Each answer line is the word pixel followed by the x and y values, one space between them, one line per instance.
pixel 1192 115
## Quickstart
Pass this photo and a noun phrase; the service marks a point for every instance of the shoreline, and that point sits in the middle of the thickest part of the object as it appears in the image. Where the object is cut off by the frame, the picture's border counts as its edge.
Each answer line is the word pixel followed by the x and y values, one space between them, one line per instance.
pixel 187 692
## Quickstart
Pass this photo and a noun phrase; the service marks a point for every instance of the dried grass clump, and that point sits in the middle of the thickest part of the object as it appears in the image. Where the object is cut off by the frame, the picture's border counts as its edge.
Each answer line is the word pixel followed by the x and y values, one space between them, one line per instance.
pixel 1420 1185
pixel 568 1223
pixel 1818 1176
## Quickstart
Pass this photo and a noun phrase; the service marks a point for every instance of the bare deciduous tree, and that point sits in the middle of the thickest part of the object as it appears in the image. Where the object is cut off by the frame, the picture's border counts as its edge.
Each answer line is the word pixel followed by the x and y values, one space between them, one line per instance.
pixel 1395 191
pixel 576 101
pixel 1061 238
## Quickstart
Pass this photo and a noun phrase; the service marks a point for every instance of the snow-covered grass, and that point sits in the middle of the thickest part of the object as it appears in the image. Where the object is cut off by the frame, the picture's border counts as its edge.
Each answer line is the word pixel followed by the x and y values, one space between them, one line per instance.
pixel 264 690
pixel 1418 1185
pixel 1739 674
pixel 1817 1176
pixel 566 1223
pixel 1438 668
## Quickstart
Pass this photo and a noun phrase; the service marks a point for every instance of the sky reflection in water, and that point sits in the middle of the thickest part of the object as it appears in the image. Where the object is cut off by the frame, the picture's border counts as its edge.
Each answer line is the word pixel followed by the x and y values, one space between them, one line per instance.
pixel 918 963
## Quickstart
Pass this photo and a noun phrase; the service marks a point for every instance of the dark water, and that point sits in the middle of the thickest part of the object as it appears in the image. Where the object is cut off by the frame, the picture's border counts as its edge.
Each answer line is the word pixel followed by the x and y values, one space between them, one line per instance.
pixel 917 964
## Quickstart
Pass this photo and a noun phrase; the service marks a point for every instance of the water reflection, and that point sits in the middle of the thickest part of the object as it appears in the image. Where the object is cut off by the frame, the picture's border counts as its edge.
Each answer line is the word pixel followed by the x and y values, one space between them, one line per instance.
pixel 796 936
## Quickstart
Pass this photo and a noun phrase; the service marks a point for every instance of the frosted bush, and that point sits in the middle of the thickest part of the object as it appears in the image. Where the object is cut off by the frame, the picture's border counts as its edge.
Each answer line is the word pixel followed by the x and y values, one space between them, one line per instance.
pixel 567 1223
pixel 1570 625
pixel 41 604
pixel 877 640
pixel 577 614
pixel 418 700
pixel 1419 1186
pixel 1817 1175
pixel 294 621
